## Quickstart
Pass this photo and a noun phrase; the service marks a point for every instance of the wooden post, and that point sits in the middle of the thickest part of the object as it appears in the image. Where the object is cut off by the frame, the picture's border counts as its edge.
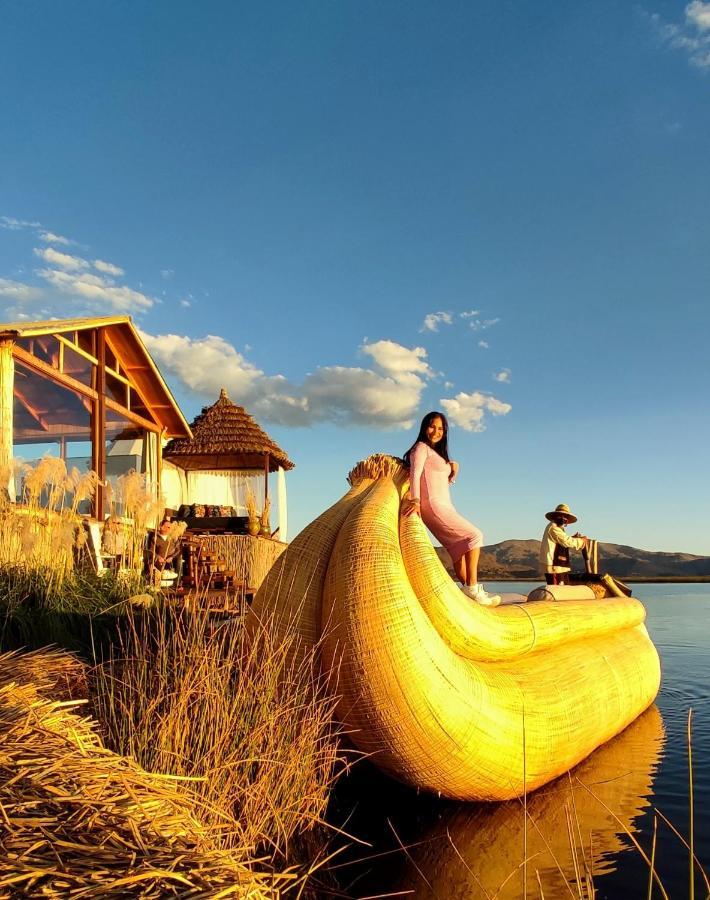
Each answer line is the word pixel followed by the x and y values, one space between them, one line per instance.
pixel 7 382
pixel 266 478
pixel 159 474
pixel 98 426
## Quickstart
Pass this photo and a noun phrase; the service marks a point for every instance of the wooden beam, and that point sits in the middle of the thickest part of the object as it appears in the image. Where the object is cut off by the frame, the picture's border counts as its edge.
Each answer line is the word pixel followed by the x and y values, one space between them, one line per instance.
pixel 42 368
pixel 132 416
pixel 98 426
pixel 7 379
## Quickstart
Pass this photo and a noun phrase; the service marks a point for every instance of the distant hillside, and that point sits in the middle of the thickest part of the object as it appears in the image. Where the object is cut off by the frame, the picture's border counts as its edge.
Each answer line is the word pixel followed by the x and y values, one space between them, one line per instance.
pixel 511 560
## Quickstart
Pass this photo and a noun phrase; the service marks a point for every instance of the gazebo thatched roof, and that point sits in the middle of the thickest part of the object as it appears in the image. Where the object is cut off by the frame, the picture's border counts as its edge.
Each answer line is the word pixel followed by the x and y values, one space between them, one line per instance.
pixel 225 436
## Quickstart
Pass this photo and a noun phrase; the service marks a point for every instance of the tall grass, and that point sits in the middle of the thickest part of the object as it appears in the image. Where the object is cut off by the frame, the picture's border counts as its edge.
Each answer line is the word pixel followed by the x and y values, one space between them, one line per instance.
pixel 80 821
pixel 44 559
pixel 223 707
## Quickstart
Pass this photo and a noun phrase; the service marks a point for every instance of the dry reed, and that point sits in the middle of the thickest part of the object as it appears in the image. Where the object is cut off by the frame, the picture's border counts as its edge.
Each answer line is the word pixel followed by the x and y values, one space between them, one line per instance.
pixel 78 820
pixel 207 701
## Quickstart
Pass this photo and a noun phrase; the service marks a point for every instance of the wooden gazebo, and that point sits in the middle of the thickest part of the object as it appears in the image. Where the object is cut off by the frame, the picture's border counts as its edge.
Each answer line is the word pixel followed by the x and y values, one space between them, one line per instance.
pixel 226 437
pixel 79 389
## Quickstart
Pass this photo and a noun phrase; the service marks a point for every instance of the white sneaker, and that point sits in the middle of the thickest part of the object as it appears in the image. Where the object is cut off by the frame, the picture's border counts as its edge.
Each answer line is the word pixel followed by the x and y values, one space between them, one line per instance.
pixel 478 593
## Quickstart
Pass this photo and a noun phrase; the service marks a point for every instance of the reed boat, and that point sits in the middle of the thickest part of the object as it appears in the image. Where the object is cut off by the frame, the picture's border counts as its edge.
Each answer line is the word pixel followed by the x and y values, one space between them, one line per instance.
pixel 474 703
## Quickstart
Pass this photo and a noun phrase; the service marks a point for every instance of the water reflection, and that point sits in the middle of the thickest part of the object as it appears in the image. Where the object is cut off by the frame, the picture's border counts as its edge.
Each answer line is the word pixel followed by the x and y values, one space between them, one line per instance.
pixel 477 850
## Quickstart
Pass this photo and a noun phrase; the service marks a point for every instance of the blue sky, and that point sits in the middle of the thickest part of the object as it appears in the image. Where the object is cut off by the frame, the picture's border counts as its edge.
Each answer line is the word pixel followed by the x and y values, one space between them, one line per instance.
pixel 351 213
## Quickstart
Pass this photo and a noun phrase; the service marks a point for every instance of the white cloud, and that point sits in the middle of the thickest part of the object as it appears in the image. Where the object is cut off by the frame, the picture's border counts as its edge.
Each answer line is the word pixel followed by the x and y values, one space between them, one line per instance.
pixel 108 268
pixel 503 375
pixel 17 224
pixel 697 13
pixel 400 363
pixel 185 303
pixel 483 344
pixel 63 260
pixel 386 396
pixel 470 314
pixel 18 291
pixel 433 320
pixel 477 324
pixel 167 273
pixel 448 385
pixel 95 292
pixel 49 237
pixel 692 35
pixel 468 410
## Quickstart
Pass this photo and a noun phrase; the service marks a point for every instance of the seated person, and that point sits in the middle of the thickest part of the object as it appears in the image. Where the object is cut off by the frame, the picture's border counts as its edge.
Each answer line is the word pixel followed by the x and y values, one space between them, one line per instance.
pixel 556 544
pixel 165 548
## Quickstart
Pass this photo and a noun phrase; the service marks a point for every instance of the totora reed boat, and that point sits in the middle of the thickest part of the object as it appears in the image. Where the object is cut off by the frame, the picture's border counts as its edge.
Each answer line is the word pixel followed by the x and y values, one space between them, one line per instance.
pixel 472 702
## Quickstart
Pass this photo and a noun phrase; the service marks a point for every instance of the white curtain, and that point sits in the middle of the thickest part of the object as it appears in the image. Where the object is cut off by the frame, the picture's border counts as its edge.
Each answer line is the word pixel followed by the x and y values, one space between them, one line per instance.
pixel 173 485
pixel 283 511
pixel 225 488
pixel 150 468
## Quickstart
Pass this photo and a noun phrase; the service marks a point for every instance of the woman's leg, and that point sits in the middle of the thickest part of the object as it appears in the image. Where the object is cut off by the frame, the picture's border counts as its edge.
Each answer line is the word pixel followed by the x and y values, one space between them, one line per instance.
pixel 467 567
pixel 472 564
pixel 461 569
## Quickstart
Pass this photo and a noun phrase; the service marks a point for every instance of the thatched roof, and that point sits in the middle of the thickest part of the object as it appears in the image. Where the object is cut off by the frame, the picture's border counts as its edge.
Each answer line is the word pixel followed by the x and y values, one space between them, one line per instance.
pixel 225 436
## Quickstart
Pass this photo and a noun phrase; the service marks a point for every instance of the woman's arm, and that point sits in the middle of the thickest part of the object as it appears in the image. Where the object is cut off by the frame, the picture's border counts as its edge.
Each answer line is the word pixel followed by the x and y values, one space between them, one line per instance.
pixel 454 471
pixel 417 459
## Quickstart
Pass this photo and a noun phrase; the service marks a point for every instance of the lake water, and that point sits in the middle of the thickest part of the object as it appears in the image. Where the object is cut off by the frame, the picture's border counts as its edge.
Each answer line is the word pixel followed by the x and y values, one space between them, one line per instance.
pixel 456 850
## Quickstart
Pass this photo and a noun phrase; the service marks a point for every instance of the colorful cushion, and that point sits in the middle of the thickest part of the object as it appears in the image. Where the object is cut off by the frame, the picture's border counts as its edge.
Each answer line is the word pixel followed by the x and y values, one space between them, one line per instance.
pixel 225 511
pixel 198 510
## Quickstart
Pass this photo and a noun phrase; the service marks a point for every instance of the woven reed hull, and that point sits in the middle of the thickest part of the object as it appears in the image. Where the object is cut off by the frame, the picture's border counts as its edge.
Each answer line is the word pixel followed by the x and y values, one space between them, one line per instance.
pixel 470 702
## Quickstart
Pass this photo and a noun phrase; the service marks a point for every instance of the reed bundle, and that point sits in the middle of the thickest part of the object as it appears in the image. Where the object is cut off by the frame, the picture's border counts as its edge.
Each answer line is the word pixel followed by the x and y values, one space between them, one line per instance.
pixel 79 821
pixel 378 465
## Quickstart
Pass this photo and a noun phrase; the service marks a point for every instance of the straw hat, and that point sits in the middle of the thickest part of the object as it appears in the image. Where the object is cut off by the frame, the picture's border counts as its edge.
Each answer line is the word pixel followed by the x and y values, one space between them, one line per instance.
pixel 561 510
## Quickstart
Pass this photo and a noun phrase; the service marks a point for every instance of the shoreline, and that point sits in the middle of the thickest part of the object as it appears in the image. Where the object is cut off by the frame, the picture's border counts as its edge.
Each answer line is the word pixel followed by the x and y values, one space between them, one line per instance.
pixel 630 579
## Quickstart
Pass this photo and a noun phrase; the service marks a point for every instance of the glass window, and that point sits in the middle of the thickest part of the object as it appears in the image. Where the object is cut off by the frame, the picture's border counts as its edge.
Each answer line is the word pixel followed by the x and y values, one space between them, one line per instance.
pixel 116 389
pixel 87 341
pixel 45 347
pixel 49 420
pixel 78 366
pixel 125 447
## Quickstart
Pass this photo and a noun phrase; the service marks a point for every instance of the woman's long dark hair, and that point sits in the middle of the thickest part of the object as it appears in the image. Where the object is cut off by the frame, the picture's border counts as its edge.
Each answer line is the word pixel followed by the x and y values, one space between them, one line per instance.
pixel 442 448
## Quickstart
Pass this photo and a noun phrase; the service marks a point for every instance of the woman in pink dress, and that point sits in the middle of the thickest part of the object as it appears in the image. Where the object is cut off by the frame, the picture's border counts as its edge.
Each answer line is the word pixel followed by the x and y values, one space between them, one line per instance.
pixel 430 474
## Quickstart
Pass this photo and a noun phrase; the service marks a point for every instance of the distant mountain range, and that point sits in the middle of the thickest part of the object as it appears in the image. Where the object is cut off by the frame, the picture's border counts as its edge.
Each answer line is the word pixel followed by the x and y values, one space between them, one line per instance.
pixel 511 560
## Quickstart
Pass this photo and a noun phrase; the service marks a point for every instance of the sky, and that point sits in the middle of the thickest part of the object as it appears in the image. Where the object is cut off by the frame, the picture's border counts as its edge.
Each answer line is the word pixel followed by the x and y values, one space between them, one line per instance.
pixel 351 213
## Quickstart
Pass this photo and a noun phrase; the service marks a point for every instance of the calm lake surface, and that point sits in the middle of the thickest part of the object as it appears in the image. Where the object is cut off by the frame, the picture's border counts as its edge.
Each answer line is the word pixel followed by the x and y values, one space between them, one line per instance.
pixel 456 850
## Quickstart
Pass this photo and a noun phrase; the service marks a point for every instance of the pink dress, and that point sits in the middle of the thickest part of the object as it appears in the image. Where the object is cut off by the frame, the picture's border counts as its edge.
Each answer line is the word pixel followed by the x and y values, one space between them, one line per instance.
pixel 429 483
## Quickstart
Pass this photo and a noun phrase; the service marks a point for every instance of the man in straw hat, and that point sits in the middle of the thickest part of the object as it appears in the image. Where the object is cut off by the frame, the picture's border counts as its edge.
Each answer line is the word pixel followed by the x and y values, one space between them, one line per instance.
pixel 556 545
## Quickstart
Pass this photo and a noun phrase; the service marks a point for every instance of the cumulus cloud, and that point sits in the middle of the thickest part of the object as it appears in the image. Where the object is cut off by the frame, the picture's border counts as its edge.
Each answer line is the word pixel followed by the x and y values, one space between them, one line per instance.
pixel 483 345
pixel 468 410
pixel 692 35
pixel 96 292
pixel 470 314
pixel 185 303
pixel 19 292
pixel 49 237
pixel 433 320
pixel 63 260
pixel 503 375
pixel 108 268
pixel 384 396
